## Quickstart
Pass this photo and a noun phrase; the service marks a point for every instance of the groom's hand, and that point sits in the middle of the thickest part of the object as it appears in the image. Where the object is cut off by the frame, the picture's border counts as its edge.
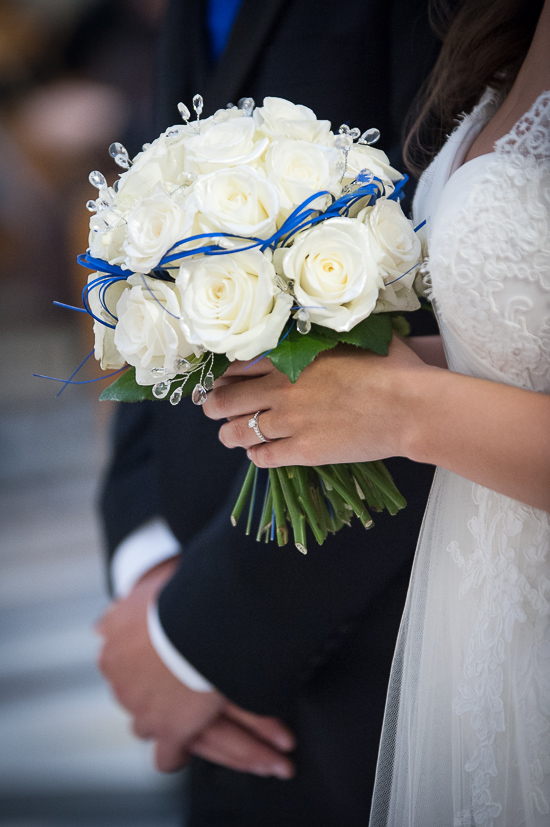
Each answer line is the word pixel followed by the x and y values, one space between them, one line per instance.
pixel 181 721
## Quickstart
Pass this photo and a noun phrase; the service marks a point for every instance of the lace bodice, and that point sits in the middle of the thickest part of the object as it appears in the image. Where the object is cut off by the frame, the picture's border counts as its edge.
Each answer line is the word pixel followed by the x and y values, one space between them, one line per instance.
pixel 489 244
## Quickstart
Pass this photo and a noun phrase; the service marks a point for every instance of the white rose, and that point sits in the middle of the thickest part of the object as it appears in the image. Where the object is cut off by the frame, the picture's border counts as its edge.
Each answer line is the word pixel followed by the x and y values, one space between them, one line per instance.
pixel 148 333
pixel 154 225
pixel 395 244
pixel 103 304
pixel 226 143
pixel 362 156
pixel 335 274
pixel 230 303
pixel 281 118
pixel 159 167
pixel 394 297
pixel 299 169
pixel 238 201
pixel 107 236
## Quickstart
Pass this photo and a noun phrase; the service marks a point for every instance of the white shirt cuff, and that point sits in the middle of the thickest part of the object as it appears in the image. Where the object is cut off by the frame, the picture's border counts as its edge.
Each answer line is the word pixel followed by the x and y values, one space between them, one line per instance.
pixel 139 552
pixel 170 656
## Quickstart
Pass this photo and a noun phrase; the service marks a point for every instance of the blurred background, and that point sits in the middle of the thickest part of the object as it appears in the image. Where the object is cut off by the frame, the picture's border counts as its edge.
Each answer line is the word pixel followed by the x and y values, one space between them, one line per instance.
pixel 75 75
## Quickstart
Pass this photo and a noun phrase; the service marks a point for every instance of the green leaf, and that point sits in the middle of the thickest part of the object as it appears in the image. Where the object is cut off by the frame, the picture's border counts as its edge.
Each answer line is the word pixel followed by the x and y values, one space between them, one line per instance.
pixel 126 389
pixel 373 333
pixel 296 352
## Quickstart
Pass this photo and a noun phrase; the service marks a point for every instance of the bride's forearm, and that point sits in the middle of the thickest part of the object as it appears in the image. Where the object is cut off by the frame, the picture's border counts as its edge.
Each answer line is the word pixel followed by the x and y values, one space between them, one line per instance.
pixel 493 434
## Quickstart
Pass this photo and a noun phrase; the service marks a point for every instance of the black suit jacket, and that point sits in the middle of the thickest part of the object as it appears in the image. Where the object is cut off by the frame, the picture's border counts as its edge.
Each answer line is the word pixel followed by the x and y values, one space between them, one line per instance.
pixel 308 638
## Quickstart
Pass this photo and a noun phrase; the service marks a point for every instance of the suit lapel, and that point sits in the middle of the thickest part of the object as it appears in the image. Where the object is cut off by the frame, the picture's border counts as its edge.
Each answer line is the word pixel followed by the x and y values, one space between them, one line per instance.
pixel 250 30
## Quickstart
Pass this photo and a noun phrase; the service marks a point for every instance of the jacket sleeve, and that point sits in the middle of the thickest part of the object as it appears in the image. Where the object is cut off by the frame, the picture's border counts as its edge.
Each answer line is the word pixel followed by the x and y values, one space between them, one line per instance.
pixel 256 619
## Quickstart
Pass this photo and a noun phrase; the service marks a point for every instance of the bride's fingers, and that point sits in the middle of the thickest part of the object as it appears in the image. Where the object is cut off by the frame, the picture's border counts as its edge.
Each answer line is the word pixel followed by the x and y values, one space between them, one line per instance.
pixel 241 398
pixel 256 367
pixel 237 433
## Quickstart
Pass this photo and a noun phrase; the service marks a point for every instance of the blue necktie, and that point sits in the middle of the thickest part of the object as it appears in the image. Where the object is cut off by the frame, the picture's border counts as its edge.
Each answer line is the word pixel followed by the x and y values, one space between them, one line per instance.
pixel 221 16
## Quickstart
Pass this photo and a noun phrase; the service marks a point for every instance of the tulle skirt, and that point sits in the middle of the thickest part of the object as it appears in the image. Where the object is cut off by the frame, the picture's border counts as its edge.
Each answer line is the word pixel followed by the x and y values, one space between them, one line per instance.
pixel 466 736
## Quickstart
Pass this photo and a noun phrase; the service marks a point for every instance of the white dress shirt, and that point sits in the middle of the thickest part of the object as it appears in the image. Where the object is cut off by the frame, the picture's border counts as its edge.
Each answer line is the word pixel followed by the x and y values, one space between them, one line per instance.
pixel 143 549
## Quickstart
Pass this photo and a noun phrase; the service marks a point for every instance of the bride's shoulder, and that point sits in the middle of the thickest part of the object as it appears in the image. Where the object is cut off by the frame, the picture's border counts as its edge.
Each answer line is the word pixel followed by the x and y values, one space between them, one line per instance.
pixel 530 135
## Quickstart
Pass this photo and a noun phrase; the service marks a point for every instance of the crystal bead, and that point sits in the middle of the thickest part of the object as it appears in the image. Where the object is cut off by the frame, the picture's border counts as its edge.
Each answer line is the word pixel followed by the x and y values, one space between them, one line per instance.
pixel 303 325
pixel 158 372
pixel 120 155
pixel 161 389
pixel 365 176
pixel 181 364
pixel 198 105
pixel 344 129
pixel 302 314
pixel 209 381
pixel 355 133
pixel 176 396
pixel 247 105
pixel 184 111
pixel 145 147
pixel 97 179
pixel 91 206
pixel 281 283
pixel 198 397
pixel 230 105
pixel 370 136
pixel 342 142
pixel 116 185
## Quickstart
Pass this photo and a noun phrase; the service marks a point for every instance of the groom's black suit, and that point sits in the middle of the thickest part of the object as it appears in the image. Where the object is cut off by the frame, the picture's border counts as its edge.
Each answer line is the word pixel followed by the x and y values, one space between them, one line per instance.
pixel 309 639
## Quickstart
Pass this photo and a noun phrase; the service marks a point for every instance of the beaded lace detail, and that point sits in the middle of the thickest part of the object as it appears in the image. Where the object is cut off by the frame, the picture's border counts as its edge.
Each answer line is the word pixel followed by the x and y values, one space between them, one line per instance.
pixel 530 135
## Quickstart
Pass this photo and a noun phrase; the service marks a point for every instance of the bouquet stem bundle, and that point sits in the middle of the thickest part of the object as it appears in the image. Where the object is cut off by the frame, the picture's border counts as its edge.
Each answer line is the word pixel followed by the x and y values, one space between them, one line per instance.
pixel 324 497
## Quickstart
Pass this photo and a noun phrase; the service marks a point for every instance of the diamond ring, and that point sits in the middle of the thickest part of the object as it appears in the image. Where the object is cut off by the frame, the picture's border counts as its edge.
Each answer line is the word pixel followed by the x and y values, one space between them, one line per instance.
pixel 253 423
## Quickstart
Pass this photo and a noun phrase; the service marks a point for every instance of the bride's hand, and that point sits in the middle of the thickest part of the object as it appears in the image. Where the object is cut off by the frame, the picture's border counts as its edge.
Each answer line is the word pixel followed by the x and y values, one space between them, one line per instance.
pixel 349 405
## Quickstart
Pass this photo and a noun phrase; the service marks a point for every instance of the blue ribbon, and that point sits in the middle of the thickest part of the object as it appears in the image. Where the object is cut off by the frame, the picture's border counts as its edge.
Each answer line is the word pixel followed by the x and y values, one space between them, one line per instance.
pixel 301 218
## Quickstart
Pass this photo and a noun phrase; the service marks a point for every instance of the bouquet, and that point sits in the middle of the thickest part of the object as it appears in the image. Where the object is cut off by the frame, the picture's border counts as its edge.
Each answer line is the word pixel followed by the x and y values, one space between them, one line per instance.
pixel 255 233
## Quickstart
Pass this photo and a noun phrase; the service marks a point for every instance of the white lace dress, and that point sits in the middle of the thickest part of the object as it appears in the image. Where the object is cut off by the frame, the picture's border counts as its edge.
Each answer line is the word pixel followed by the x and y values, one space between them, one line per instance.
pixel 466 737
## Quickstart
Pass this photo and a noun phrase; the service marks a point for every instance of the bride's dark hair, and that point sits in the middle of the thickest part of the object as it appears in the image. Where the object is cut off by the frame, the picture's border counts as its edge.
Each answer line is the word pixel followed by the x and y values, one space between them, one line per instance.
pixel 484 44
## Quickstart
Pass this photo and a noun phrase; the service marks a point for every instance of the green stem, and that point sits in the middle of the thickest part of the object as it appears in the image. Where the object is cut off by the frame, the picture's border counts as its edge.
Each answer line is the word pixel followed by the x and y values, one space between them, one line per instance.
pixel 355 500
pixel 342 511
pixel 346 490
pixel 279 506
pixel 252 503
pixel 382 480
pixel 266 510
pixel 296 517
pixel 304 497
pixel 370 490
pixel 243 495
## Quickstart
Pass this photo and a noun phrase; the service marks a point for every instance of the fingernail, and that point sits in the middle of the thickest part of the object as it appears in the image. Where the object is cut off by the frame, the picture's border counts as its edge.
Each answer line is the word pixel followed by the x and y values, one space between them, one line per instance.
pixel 281 771
pixel 249 454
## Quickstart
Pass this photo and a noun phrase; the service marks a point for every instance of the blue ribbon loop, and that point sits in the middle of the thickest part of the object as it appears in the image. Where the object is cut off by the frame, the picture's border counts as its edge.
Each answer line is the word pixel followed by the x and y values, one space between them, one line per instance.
pixel 301 218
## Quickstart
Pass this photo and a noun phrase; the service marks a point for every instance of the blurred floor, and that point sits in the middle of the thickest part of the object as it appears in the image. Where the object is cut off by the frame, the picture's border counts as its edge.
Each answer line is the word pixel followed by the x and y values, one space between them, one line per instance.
pixel 67 757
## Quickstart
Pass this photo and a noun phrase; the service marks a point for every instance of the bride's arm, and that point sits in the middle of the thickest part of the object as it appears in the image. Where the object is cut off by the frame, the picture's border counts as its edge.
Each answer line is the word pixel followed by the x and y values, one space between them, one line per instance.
pixel 351 405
